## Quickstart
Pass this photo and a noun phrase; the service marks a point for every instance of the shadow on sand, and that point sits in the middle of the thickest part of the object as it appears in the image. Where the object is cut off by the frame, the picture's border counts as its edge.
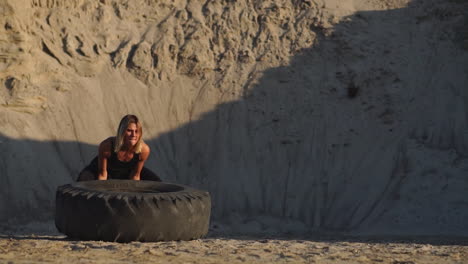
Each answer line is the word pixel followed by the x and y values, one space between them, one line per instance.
pixel 294 147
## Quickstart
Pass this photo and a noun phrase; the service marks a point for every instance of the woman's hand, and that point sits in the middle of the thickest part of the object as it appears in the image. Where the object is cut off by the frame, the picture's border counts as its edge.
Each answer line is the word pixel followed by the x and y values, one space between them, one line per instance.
pixel 145 151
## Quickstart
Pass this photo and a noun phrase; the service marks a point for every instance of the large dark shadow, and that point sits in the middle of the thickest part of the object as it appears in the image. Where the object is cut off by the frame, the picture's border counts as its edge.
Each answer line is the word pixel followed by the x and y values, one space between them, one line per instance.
pixel 32 171
pixel 318 141
pixel 328 139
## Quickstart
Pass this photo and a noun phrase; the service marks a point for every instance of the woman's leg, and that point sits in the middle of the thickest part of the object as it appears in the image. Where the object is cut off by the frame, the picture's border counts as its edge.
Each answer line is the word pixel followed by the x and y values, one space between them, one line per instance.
pixel 90 172
pixel 148 175
pixel 87 175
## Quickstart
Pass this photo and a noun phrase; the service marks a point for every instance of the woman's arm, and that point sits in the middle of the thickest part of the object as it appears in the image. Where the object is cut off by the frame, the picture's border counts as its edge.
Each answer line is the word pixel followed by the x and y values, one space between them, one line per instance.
pixel 145 151
pixel 104 154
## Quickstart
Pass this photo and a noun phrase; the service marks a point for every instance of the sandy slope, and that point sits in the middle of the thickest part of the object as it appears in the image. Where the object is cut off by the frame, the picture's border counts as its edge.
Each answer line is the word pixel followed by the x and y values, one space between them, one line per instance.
pixel 341 115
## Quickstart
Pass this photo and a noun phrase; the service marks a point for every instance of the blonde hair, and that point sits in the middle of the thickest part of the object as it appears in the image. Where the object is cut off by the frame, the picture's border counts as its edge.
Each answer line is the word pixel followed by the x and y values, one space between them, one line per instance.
pixel 124 123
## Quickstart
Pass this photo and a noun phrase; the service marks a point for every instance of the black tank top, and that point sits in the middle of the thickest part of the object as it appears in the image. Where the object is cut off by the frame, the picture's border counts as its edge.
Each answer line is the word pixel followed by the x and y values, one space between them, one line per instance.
pixel 117 169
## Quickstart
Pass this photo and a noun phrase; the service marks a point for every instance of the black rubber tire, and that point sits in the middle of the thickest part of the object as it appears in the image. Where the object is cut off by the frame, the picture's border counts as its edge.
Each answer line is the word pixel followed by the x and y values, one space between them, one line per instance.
pixel 127 210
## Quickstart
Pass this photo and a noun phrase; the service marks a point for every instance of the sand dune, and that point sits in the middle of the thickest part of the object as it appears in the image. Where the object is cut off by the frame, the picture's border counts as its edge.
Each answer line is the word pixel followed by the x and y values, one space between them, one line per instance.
pixel 348 116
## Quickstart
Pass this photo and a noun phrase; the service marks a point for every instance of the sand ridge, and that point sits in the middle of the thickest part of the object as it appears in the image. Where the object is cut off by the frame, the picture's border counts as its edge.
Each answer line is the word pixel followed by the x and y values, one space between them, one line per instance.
pixel 338 115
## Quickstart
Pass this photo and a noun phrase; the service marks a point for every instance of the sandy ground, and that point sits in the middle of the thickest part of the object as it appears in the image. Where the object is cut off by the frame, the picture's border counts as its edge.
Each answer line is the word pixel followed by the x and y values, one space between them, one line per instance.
pixel 50 246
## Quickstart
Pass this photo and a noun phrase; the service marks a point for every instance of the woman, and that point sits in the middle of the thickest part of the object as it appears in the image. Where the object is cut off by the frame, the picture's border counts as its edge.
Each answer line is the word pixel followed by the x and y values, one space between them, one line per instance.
pixel 121 157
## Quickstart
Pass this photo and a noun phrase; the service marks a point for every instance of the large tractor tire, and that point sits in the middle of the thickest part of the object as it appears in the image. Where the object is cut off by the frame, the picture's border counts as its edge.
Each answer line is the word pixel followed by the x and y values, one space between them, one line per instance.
pixel 127 210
